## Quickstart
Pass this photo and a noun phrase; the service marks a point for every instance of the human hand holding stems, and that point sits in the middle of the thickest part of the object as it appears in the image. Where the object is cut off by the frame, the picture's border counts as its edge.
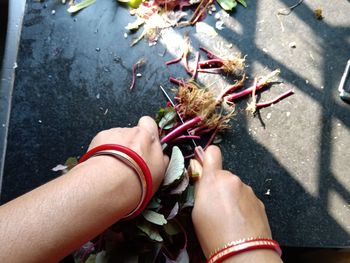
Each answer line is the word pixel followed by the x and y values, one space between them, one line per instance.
pixel 227 210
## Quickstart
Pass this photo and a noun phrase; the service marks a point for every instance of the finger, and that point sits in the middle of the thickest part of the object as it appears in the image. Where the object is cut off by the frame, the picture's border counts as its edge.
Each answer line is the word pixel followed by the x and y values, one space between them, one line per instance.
pixel 212 160
pixel 148 124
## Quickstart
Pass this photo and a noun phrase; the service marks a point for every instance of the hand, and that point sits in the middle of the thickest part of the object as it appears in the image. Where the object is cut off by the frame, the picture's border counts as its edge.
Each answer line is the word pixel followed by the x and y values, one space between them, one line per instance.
pixel 144 140
pixel 226 209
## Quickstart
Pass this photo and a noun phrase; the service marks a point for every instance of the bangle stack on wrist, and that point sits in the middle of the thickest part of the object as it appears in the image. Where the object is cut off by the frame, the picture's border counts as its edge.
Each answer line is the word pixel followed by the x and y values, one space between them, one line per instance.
pixel 239 246
pixel 135 162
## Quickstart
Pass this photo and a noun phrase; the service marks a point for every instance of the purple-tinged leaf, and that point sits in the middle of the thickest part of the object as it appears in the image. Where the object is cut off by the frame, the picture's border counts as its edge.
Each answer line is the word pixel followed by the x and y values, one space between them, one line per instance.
pixel 182 257
pixel 173 211
pixel 182 186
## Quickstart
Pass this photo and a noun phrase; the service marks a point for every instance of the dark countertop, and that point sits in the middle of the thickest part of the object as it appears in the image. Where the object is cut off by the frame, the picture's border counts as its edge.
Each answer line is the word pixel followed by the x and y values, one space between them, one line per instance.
pixel 66 91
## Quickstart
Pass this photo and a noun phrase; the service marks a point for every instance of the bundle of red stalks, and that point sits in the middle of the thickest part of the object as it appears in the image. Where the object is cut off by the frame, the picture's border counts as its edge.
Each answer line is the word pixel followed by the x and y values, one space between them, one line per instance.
pixel 200 113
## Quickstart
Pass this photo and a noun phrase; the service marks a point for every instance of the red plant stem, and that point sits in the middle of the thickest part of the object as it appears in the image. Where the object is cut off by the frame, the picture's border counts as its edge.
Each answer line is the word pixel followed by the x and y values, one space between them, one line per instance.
pixel 195 13
pixel 133 76
pixel 197 129
pixel 176 132
pixel 175 60
pixel 190 156
pixel 228 90
pixel 185 63
pixel 185 137
pixel 210 54
pixel 254 91
pixel 211 139
pixel 275 100
pixel 217 62
pixel 211 70
pixel 245 92
pixel 176 81
pixel 204 131
pixel 194 74
pixel 193 21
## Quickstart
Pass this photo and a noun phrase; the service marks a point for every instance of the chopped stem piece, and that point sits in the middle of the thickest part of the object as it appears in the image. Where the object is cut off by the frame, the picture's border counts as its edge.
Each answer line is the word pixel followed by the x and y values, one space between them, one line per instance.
pixel 252 105
pixel 275 100
pixel 211 70
pixel 194 74
pixel 261 83
pixel 134 68
pixel 196 12
pixel 195 19
pixel 210 54
pixel 173 61
pixel 216 62
pixel 176 81
pixel 230 89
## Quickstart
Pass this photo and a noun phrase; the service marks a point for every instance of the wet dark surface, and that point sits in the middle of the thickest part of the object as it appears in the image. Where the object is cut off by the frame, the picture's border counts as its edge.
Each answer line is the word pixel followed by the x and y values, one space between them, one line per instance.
pixel 73 80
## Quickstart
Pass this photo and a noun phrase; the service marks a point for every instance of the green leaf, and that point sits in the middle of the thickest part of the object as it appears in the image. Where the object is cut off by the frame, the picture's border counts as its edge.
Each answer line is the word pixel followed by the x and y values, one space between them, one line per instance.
pixel 227 5
pixel 81 5
pixel 154 203
pixel 242 2
pixel 154 217
pixel 91 259
pixel 166 118
pixel 150 230
pixel 172 229
pixel 174 211
pixel 168 121
pixel 134 3
pixel 182 186
pixel 176 167
pixel 101 257
pixel 189 201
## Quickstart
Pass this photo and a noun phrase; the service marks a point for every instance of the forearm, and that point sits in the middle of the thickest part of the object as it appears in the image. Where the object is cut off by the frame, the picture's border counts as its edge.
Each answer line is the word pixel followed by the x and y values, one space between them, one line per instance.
pixel 50 222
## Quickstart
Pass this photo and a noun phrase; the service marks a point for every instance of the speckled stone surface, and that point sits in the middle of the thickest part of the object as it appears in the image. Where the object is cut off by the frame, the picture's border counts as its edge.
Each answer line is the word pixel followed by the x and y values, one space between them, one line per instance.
pixel 73 80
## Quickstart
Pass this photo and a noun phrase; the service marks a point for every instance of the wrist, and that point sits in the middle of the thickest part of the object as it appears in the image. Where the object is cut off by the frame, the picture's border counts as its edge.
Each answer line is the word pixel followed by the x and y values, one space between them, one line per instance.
pixel 123 184
pixel 134 161
pixel 253 256
pixel 247 250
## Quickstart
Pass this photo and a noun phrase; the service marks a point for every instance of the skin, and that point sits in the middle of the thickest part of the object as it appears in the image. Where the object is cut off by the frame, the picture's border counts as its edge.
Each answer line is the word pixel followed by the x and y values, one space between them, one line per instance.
pixel 53 220
pixel 226 210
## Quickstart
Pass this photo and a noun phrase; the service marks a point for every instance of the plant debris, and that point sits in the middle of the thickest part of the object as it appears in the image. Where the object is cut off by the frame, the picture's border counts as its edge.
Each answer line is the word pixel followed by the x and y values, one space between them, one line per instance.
pixel 318 14
pixel 77 7
pixel 136 66
pixel 287 11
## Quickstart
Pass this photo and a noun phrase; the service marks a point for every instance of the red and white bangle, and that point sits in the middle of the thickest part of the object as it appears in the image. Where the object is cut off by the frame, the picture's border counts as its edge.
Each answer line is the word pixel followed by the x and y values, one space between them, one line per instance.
pixel 239 246
pixel 135 162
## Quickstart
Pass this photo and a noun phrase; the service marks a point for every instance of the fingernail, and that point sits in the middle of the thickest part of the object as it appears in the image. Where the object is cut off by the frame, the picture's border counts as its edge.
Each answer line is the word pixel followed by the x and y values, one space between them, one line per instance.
pixel 199 154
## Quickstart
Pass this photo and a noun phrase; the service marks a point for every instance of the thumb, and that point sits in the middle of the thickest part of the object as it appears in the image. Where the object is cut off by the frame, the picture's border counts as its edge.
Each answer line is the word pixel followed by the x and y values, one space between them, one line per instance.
pixel 212 160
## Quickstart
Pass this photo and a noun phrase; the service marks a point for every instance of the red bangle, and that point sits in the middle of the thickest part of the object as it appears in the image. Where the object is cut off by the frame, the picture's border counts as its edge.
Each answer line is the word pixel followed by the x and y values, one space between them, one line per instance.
pixel 134 161
pixel 240 246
